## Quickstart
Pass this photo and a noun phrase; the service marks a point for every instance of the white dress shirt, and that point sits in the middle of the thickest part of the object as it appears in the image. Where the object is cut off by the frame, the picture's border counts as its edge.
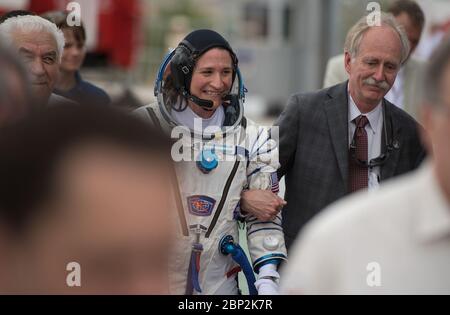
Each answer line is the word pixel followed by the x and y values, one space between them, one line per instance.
pixel 396 94
pixel 374 131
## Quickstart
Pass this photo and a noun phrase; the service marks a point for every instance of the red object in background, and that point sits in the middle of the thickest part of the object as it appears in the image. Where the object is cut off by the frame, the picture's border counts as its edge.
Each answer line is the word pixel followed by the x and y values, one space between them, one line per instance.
pixel 119 29
pixel 41 6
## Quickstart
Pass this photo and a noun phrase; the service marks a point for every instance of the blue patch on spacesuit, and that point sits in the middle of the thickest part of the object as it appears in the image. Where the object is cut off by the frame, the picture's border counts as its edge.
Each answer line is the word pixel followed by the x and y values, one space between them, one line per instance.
pixel 201 205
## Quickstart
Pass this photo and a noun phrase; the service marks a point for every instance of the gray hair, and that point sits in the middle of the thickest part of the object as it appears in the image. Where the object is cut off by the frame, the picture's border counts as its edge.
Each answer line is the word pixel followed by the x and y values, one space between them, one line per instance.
pixel 355 34
pixel 432 79
pixel 31 23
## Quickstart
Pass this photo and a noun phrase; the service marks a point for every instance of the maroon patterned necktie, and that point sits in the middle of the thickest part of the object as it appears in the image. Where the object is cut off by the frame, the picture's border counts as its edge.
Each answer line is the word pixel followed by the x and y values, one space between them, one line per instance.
pixel 358 174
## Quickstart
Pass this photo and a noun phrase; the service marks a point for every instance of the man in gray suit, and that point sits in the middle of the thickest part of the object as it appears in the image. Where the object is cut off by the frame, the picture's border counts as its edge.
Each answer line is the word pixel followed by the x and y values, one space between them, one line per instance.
pixel 347 137
pixel 404 92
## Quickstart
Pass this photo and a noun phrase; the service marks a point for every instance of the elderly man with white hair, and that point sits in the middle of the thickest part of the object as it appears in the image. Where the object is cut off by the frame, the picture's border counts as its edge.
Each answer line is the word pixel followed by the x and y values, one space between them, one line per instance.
pixel 348 137
pixel 40 44
pixel 396 240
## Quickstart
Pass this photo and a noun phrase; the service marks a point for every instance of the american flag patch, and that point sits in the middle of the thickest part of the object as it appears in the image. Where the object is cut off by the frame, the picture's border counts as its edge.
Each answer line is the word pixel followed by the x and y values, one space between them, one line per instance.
pixel 274 183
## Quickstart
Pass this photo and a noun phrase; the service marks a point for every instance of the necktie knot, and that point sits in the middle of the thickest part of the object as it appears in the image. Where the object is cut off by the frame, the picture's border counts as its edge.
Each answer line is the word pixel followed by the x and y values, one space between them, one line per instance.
pixel 361 121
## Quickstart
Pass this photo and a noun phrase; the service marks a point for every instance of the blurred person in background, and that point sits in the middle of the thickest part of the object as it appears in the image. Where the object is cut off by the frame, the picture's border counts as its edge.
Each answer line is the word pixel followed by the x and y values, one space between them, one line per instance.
pixel 39 44
pixel 84 184
pixel 404 91
pixel 396 240
pixel 200 93
pixel 70 84
pixel 15 93
pixel 437 33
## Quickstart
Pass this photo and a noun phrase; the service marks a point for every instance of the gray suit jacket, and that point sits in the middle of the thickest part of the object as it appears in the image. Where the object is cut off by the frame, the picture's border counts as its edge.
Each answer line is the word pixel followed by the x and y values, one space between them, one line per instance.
pixel 314 152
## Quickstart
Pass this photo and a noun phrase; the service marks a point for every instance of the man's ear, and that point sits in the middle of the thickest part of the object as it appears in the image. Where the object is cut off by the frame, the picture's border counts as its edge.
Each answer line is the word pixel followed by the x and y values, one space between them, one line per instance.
pixel 426 120
pixel 347 61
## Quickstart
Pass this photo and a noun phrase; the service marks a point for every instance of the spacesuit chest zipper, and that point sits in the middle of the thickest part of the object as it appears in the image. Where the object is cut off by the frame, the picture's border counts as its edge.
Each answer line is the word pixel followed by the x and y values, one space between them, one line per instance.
pixel 223 198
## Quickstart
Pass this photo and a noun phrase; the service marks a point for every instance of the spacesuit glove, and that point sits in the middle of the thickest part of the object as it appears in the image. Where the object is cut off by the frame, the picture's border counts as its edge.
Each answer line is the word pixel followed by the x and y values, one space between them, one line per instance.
pixel 267 283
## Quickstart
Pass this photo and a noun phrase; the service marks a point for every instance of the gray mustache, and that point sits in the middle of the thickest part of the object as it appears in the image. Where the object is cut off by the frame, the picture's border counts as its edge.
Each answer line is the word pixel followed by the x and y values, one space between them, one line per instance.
pixel 382 85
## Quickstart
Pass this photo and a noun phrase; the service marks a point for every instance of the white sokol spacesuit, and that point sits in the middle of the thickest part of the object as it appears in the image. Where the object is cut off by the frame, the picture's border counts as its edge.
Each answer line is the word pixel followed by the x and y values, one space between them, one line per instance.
pixel 211 171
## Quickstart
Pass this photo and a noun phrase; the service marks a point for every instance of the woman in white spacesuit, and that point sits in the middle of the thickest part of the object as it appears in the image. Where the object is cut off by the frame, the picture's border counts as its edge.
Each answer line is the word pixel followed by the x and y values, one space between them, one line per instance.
pixel 218 154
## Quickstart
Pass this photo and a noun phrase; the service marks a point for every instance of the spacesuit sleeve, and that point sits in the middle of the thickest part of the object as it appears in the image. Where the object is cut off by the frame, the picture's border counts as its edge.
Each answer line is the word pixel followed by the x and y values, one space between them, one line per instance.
pixel 265 238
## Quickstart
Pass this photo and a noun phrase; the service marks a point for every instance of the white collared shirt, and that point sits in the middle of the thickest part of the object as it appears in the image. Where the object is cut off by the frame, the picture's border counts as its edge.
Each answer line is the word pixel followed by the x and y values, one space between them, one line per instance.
pixel 396 94
pixel 374 131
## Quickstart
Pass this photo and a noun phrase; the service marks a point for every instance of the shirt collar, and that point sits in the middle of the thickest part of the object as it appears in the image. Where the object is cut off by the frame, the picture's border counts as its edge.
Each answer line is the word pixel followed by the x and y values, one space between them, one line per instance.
pixel 373 116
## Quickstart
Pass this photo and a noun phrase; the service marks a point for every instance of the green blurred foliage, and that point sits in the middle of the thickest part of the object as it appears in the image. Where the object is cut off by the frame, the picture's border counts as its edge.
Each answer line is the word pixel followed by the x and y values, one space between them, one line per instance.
pixel 158 26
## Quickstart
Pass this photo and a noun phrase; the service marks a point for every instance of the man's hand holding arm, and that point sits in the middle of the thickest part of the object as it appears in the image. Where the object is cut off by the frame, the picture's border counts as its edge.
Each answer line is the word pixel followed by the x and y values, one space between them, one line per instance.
pixel 263 204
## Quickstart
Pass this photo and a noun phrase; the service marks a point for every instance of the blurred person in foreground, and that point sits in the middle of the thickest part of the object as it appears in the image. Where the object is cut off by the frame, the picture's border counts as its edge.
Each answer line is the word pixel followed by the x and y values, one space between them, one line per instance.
pixel 83 184
pixel 396 240
pixel 404 91
pixel 40 45
pixel 15 94
pixel 70 84
pixel 219 153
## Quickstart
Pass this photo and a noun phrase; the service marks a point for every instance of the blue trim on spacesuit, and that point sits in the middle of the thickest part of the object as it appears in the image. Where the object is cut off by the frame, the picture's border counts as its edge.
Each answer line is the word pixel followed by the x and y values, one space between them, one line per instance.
pixel 274 258
pixel 162 67
pixel 256 219
pixel 228 247
pixel 257 137
pixel 254 172
pixel 259 147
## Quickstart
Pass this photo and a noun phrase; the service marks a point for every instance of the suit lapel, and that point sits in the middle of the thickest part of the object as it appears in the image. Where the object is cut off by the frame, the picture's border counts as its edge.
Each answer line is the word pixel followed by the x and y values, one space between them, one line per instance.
pixel 336 109
pixel 388 169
